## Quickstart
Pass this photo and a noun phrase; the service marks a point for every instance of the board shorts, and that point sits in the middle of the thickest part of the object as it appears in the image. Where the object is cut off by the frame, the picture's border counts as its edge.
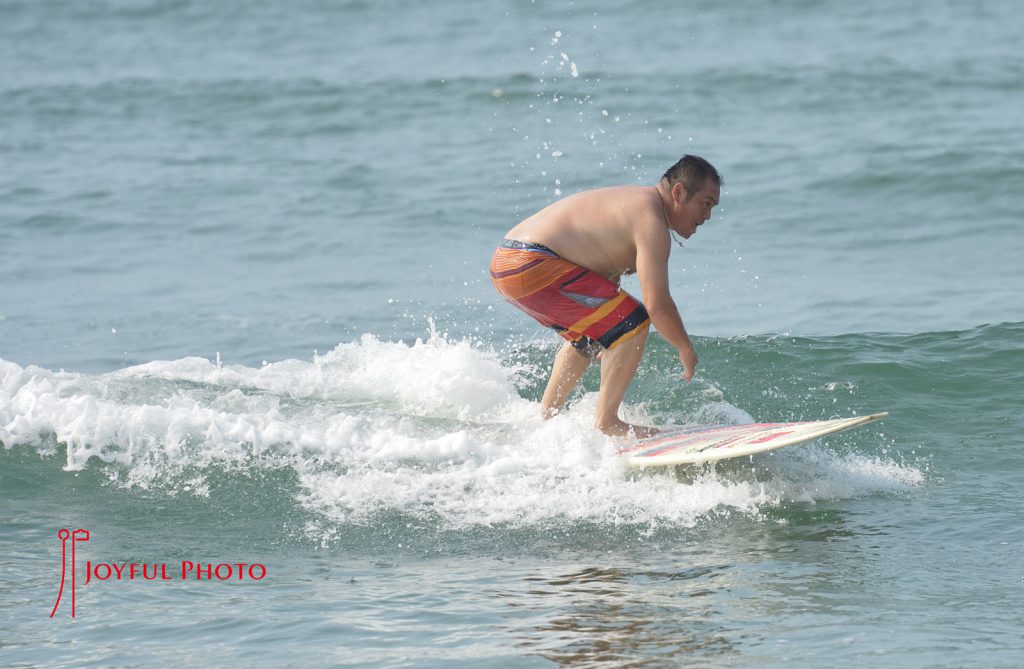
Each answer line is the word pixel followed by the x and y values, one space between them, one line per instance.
pixel 581 305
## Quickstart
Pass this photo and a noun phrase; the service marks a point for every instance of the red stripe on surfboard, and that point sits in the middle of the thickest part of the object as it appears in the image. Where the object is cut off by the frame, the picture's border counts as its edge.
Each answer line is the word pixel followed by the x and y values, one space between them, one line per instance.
pixel 656 444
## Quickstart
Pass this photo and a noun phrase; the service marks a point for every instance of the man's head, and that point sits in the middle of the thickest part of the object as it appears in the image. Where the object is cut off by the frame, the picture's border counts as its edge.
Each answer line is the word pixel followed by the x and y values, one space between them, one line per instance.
pixel 691 187
pixel 693 172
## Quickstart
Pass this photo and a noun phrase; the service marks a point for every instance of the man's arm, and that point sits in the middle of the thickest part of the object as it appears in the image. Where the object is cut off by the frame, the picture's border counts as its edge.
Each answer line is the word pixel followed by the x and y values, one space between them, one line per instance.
pixel 652 251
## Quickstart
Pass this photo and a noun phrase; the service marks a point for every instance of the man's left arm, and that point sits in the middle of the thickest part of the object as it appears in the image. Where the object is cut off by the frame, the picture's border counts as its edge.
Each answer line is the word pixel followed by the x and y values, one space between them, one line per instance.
pixel 652 253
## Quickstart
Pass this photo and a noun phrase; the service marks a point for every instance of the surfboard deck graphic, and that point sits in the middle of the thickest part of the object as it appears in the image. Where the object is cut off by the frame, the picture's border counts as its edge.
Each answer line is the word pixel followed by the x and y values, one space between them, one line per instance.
pixel 705 443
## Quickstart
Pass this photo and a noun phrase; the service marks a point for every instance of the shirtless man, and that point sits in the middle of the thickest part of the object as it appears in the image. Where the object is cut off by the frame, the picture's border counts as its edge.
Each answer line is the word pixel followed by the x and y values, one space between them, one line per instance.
pixel 562 266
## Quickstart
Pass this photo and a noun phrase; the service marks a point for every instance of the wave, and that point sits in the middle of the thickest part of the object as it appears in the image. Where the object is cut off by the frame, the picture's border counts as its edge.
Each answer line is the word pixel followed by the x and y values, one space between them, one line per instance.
pixel 439 430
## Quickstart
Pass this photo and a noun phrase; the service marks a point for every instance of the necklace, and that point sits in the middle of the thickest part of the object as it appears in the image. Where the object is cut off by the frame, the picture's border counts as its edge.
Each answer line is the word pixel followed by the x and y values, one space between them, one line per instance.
pixel 672 232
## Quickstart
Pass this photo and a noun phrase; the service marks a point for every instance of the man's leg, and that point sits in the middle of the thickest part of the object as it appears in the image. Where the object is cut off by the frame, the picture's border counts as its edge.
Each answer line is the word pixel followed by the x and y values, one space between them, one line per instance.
pixel 618 365
pixel 570 363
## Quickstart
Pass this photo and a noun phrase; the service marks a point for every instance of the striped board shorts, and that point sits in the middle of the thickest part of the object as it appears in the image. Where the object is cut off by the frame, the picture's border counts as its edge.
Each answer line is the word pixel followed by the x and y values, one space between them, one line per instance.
pixel 581 305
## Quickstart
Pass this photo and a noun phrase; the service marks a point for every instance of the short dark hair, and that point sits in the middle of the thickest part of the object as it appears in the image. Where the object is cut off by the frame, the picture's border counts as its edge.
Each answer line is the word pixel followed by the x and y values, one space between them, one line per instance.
pixel 693 172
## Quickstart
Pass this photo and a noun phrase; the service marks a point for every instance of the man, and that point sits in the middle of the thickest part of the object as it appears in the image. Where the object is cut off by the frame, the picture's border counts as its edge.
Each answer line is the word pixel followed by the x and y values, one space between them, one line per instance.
pixel 562 266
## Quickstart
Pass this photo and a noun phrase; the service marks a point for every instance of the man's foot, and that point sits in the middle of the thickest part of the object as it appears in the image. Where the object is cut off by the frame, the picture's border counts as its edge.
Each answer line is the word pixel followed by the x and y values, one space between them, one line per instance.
pixel 623 429
pixel 549 412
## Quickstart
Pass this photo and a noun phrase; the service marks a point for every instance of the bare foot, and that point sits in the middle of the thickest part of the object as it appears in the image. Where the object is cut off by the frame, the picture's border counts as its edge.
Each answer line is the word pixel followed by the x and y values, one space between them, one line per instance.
pixel 623 429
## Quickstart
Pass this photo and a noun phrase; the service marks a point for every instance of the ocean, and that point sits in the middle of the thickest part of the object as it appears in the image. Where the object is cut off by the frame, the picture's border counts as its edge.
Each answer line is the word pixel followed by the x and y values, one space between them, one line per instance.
pixel 249 345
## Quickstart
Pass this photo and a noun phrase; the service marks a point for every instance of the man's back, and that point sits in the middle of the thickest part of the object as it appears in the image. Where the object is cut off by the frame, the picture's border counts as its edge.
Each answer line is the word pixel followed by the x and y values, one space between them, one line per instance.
pixel 595 229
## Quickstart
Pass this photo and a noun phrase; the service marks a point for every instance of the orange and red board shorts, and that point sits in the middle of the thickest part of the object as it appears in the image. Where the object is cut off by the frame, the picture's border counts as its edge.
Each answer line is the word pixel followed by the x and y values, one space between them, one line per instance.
pixel 581 305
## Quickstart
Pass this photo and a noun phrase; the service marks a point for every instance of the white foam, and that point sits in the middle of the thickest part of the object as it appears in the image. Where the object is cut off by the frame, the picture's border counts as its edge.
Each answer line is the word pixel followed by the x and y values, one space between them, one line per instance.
pixel 435 429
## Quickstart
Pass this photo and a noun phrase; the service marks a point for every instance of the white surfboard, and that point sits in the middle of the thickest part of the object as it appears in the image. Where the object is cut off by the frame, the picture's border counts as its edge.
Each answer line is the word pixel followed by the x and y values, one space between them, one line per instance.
pixel 705 443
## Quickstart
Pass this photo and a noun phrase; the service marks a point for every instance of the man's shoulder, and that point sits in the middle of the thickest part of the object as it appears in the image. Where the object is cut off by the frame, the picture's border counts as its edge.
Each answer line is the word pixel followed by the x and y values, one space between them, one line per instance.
pixel 624 191
pixel 629 199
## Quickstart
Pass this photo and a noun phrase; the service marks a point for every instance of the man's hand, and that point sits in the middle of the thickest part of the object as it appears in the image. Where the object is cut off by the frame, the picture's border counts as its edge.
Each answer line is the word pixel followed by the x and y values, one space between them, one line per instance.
pixel 688 357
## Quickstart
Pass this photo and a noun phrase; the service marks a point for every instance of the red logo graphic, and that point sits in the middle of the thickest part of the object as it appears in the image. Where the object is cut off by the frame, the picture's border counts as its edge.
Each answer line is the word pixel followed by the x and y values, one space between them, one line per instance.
pixel 76 536
pixel 124 571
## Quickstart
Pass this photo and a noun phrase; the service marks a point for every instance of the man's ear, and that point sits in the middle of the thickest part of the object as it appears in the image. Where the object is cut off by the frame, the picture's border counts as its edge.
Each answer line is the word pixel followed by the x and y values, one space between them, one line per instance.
pixel 677 189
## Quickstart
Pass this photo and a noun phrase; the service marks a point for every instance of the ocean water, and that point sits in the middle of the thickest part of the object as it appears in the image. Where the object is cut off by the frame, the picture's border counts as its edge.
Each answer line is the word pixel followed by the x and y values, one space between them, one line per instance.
pixel 245 321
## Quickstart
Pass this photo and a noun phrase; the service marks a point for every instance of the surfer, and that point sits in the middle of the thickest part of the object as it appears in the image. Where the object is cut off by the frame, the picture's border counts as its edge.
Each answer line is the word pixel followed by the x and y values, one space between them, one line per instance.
pixel 562 266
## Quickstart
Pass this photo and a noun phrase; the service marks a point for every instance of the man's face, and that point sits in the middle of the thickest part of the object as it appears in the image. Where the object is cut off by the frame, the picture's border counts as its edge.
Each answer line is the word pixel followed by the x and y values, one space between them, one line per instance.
pixel 697 208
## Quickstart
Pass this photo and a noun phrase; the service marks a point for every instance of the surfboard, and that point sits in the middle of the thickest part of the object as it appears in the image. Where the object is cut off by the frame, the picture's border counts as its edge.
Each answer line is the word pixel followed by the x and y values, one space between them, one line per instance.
pixel 706 443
